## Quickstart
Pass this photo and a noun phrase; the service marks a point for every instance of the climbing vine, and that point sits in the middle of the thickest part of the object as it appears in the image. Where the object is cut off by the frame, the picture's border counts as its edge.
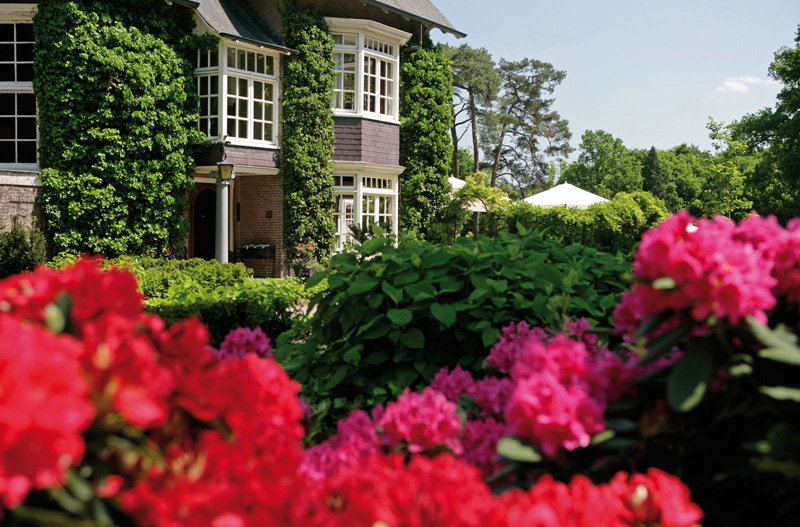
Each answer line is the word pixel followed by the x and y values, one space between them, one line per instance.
pixel 118 120
pixel 308 139
pixel 426 81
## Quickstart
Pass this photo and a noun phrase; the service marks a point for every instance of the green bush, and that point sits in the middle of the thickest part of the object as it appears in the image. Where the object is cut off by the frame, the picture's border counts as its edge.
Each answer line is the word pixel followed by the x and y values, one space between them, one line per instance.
pixel 20 249
pixel 157 275
pixel 393 316
pixel 614 226
pixel 266 303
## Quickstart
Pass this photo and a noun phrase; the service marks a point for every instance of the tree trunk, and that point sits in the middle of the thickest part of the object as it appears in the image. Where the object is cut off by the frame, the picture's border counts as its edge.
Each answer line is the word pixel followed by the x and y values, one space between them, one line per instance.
pixel 497 157
pixel 474 131
pixel 454 134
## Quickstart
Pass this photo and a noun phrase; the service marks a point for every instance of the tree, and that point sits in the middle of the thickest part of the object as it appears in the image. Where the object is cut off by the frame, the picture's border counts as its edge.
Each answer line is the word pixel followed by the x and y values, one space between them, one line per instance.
pixel 723 191
pixel 521 132
pixel 604 166
pixel 476 83
pixel 687 168
pixel 656 182
pixel 776 182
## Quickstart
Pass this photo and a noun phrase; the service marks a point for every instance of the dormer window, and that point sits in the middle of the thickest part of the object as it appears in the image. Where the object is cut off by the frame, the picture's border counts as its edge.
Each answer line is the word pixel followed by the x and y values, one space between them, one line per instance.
pixel 367 64
pixel 238 94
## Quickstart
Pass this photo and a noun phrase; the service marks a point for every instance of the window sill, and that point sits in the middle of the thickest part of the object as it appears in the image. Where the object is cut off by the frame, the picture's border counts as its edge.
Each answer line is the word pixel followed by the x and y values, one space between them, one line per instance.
pixel 369 116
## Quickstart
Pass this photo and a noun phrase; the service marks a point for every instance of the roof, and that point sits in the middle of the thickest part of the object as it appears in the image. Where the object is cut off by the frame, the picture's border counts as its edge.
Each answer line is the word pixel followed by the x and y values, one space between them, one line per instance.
pixel 230 18
pixel 420 10
pixel 565 195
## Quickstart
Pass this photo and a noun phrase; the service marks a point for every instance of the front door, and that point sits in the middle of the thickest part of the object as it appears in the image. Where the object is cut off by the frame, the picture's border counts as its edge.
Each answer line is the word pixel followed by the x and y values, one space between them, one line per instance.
pixel 203 223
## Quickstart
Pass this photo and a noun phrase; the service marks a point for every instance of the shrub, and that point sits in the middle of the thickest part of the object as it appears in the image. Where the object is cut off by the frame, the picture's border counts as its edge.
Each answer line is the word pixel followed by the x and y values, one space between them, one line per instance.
pixel 157 275
pixel 614 226
pixel 20 249
pixel 393 316
pixel 268 303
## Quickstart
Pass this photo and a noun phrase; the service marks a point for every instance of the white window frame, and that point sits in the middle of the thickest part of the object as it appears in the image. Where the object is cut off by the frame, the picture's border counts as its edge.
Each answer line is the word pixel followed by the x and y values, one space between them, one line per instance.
pixel 364 183
pixel 230 76
pixel 20 14
pixel 374 45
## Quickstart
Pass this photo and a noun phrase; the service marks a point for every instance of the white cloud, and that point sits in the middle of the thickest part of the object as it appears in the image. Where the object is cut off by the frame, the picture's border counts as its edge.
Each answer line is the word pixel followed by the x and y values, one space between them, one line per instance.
pixel 743 84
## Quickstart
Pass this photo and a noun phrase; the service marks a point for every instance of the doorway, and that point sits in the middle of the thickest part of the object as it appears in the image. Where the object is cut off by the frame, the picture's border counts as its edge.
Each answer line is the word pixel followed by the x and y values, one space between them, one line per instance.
pixel 203 224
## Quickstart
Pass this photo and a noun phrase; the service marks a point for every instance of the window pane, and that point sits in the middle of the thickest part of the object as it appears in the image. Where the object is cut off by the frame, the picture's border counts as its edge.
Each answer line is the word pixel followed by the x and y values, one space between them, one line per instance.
pixel 7 104
pixel 268 109
pixel 231 127
pixel 242 108
pixel 7 32
pixel 231 58
pixel 214 59
pixel 258 90
pixel 7 52
pixel 7 128
pixel 26 104
pixel 24 33
pixel 270 66
pixel 268 132
pixel 242 129
pixel 204 126
pixel 258 132
pixel 231 108
pixel 7 73
pixel 203 82
pixel 24 72
pixel 258 110
pixel 26 128
pixel 242 88
pixel 203 59
pixel 214 107
pixel 251 61
pixel 8 152
pixel 260 63
pixel 214 128
pixel 240 59
pixel 26 151
pixel 214 84
pixel 268 92
pixel 231 85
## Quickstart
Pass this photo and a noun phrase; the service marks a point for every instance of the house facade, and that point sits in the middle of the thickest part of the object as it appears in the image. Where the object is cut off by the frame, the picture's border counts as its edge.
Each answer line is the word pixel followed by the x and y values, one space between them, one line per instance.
pixel 239 87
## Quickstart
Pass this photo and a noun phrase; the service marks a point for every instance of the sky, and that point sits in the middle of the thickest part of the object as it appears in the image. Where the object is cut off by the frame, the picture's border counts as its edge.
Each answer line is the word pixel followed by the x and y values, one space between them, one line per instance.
pixel 650 73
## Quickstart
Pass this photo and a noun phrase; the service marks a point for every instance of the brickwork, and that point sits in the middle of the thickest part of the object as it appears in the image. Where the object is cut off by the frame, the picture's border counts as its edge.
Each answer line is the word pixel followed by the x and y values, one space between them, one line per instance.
pixel 20 200
pixel 259 202
pixel 367 141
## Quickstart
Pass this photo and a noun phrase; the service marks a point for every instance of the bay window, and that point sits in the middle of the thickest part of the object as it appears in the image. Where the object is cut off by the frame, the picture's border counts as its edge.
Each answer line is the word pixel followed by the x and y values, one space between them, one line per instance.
pixel 367 64
pixel 363 199
pixel 239 94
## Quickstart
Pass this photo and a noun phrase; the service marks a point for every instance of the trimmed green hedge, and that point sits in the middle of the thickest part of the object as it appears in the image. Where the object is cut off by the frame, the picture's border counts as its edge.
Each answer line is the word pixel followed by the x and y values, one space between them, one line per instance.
pixel 270 304
pixel 614 226
pixel 157 275
pixel 393 316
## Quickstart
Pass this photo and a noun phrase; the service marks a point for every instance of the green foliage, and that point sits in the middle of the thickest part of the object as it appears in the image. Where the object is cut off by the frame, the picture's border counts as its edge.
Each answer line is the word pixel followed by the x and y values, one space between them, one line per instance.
pixel 426 83
pixel 521 132
pixel 266 303
pixel 457 219
pixel 614 226
pixel 604 166
pixel 21 249
pixel 309 197
pixel 114 90
pixel 393 316
pixel 157 275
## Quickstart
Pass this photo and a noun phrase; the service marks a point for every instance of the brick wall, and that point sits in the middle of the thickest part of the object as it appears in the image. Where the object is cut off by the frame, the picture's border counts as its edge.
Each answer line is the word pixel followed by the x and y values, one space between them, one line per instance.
pixel 259 200
pixel 19 200
pixel 367 141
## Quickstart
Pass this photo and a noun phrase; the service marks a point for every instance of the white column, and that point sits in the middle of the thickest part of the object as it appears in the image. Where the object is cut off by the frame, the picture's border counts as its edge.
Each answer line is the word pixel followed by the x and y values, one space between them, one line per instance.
pixel 222 220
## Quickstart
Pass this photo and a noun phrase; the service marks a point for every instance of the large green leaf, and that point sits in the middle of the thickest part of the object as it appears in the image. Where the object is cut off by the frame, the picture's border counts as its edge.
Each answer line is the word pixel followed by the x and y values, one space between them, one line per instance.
pixel 514 449
pixel 444 313
pixel 689 380
pixel 782 393
pixel 401 317
pixel 780 343
pixel 413 338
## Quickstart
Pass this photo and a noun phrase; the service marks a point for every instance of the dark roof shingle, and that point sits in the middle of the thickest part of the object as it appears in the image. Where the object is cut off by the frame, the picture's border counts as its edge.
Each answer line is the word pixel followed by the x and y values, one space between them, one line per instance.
pixel 231 18
pixel 421 10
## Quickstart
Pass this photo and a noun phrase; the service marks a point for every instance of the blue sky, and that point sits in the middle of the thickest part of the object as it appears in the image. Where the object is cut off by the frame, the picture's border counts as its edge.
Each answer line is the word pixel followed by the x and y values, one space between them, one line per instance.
pixel 650 73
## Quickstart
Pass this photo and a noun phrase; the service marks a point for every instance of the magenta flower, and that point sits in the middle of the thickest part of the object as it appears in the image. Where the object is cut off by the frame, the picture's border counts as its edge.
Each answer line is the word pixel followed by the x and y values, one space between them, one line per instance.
pixel 241 341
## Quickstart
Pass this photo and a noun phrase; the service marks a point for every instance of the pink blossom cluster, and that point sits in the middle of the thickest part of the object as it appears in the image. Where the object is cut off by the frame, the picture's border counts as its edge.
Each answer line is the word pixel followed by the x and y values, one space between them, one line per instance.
pixel 417 422
pixel 241 341
pixel 720 270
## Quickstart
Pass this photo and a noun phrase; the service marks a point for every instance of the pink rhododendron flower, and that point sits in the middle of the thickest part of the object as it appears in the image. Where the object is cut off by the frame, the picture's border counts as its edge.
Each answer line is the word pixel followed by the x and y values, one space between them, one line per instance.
pixel 241 341
pixel 480 444
pixel 354 442
pixel 492 393
pixel 504 353
pixel 422 420
pixel 453 384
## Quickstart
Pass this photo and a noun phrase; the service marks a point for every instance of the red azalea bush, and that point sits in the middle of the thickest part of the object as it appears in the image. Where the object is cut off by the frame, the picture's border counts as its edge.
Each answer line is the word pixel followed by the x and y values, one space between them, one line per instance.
pixel 108 416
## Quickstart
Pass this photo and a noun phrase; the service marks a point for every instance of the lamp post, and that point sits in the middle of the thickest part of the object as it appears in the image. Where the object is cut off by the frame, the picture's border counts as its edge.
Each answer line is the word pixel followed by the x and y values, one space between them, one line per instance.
pixel 224 176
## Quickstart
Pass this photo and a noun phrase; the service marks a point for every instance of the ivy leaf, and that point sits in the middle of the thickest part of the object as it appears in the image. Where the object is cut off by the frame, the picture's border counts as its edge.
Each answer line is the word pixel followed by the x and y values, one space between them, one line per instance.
pixel 413 338
pixel 781 393
pixel 689 380
pixel 515 450
pixel 444 313
pixel 361 284
pixel 392 292
pixel 401 317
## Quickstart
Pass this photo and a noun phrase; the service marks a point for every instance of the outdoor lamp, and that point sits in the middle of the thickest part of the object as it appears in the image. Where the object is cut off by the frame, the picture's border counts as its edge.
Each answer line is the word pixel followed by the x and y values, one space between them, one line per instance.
pixel 225 169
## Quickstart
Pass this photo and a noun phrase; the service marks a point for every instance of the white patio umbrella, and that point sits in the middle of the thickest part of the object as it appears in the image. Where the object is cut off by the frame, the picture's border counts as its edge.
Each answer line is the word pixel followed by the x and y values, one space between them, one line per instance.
pixel 474 206
pixel 565 195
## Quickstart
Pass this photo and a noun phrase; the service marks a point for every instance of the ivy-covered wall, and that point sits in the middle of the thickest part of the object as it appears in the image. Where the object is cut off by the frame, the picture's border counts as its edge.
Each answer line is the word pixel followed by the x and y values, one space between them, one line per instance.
pixel 118 117
pixel 426 84
pixel 308 138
